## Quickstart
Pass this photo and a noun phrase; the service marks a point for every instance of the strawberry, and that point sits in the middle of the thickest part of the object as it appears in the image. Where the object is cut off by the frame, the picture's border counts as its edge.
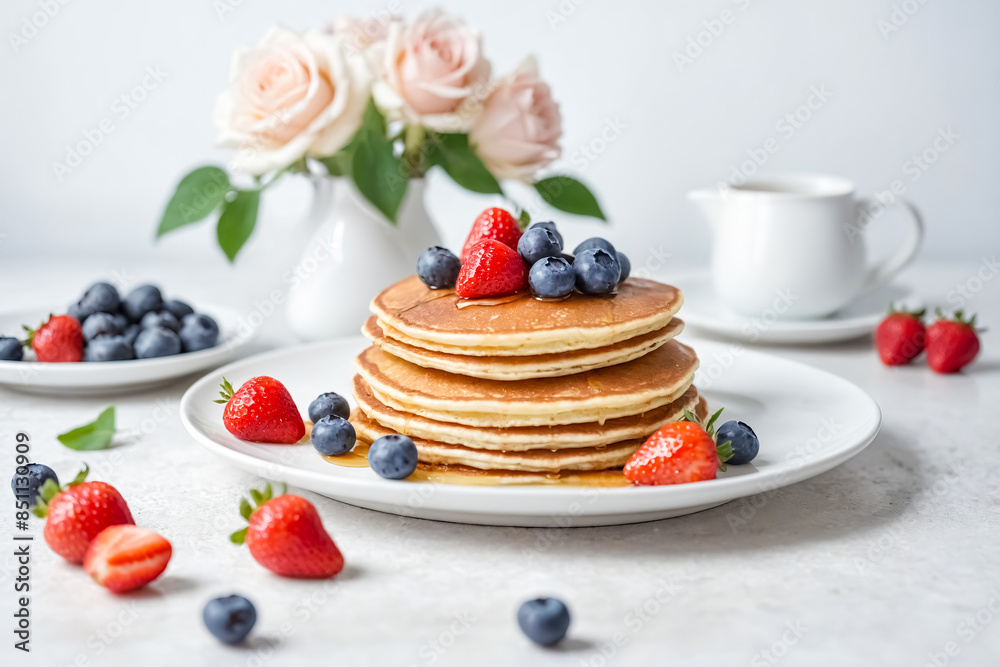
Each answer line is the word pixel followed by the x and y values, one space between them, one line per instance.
pixel 951 344
pixel 286 536
pixel 78 512
pixel 125 557
pixel 678 453
pixel 900 337
pixel 493 223
pixel 261 410
pixel 60 338
pixel 491 269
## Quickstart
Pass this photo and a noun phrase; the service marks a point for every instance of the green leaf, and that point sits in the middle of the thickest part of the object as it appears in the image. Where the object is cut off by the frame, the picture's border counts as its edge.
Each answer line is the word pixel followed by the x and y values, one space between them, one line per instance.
pixel 80 476
pixel 454 154
pixel 245 509
pixel 570 195
pixel 268 492
pixel 340 163
pixel 240 536
pixel 199 193
pixel 378 174
pixel 48 490
pixel 258 497
pixel 524 219
pixel 239 216
pixel 725 452
pixel 92 436
pixel 710 426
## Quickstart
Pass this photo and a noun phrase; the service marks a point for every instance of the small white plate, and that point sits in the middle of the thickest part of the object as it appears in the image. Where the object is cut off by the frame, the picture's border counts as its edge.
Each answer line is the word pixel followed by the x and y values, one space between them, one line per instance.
pixel 89 378
pixel 704 310
pixel 808 421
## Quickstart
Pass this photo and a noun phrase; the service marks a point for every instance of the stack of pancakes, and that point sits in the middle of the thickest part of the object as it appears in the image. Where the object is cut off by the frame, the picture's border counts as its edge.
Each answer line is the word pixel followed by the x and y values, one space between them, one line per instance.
pixel 524 385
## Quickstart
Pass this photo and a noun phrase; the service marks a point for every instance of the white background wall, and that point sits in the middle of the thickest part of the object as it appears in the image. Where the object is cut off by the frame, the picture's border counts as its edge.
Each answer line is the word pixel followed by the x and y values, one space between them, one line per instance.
pixel 609 63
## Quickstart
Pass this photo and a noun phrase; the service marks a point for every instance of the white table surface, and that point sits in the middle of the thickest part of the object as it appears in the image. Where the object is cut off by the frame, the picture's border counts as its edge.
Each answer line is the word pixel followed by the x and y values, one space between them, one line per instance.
pixel 888 559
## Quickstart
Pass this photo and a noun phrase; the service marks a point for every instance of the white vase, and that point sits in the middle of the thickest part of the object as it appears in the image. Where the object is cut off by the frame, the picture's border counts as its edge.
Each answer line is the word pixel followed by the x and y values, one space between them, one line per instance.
pixel 353 254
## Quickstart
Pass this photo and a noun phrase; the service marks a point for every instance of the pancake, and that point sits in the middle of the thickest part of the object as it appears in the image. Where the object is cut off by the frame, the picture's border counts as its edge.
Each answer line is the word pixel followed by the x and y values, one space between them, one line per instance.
pixel 439 320
pixel 524 437
pixel 524 367
pixel 632 388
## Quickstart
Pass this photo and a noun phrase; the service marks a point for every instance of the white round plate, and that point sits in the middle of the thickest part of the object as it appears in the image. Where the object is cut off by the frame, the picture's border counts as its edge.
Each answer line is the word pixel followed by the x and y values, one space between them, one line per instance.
pixel 808 421
pixel 111 377
pixel 704 310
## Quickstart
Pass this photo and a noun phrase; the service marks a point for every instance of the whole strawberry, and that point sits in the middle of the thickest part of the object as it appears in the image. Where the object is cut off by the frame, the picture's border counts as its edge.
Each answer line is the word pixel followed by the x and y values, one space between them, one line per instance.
pixel 287 537
pixel 491 269
pixel 493 223
pixel 951 343
pixel 261 410
pixel 678 453
pixel 60 338
pixel 900 337
pixel 77 513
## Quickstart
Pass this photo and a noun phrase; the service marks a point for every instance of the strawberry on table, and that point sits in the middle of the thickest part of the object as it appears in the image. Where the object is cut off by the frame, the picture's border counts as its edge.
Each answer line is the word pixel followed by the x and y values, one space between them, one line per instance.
pixel 77 513
pixel 125 557
pixel 678 453
pixel 900 337
pixel 493 223
pixel 286 536
pixel 60 338
pixel 951 343
pixel 261 410
pixel 491 269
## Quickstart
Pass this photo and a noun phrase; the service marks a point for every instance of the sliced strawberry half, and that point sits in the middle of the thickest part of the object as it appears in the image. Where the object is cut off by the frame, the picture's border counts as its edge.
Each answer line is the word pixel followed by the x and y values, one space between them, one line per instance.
pixel 125 557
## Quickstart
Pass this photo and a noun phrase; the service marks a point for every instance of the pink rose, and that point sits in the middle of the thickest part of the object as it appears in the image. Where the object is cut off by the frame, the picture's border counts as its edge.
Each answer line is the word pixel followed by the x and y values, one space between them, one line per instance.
pixel 518 131
pixel 431 72
pixel 359 34
pixel 291 95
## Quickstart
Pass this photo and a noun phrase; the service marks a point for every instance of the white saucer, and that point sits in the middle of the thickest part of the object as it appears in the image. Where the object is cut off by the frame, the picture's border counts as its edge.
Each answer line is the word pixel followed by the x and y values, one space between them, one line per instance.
pixel 791 406
pixel 89 378
pixel 704 310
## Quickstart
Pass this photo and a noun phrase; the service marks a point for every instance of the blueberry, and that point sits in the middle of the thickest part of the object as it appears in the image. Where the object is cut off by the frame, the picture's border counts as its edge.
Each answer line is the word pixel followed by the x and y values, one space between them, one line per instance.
pixel 122 320
pixel 333 436
pixel 99 298
pixel 157 343
pixel 141 300
pixel 393 456
pixel 625 265
pixel 595 242
pixel 538 243
pixel 438 268
pixel 28 479
pixel 742 439
pixel 330 403
pixel 198 332
pixel 76 312
pixel 131 332
pixel 100 324
pixel 177 308
pixel 230 619
pixel 551 277
pixel 551 226
pixel 11 349
pixel 160 318
pixel 544 621
pixel 108 348
pixel 597 272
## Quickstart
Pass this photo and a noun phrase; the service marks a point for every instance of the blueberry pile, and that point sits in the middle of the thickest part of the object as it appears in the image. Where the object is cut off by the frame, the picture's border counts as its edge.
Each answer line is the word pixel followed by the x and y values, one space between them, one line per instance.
pixel 140 325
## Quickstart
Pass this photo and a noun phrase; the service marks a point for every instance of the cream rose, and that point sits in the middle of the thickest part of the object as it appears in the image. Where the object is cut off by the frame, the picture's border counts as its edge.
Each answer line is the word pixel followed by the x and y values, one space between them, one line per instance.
pixel 291 95
pixel 517 133
pixel 359 34
pixel 431 72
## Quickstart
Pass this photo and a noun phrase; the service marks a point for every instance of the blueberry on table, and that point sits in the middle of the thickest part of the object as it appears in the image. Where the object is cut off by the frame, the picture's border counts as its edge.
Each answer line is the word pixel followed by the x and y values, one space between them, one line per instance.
pixel 177 308
pixel 551 226
pixel 11 349
pixel 100 324
pixel 393 456
pixel 198 332
pixel 28 479
pixel 230 618
pixel 330 403
pixel 108 348
pixel 99 298
pixel 159 342
pixel 544 620
pixel 333 436
pixel 551 278
pixel 143 299
pixel 625 264
pixel 538 243
pixel 595 242
pixel 741 438
pixel 597 271
pixel 438 268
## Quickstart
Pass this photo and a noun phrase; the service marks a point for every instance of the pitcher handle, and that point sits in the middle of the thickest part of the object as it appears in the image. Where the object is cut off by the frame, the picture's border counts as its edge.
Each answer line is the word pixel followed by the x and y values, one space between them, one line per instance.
pixel 881 272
